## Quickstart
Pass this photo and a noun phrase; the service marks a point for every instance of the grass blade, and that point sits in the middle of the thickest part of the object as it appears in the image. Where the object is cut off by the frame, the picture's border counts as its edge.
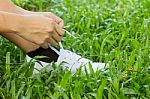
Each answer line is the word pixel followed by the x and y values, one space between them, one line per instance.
pixel 101 88
pixel 8 63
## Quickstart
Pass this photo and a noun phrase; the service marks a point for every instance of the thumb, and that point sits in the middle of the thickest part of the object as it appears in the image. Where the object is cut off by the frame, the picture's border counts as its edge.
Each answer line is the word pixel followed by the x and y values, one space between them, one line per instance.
pixel 45 45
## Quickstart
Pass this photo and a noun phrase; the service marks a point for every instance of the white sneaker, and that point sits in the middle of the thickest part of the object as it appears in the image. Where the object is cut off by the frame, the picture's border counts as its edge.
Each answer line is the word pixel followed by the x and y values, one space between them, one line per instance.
pixel 69 60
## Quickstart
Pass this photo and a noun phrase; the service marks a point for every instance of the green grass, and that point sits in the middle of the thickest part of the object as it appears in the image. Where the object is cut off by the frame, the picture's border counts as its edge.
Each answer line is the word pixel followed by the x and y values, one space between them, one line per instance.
pixel 112 31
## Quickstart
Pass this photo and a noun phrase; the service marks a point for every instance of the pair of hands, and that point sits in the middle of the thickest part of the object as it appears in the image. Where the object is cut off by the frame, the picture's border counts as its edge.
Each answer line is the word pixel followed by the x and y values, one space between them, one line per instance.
pixel 41 28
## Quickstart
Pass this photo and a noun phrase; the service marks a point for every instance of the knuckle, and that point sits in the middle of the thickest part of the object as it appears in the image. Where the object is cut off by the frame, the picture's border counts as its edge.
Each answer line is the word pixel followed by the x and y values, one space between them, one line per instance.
pixel 52 22
pixel 51 29
pixel 40 42
pixel 59 39
pixel 62 21
pixel 44 46
pixel 62 33
pixel 54 43
pixel 47 36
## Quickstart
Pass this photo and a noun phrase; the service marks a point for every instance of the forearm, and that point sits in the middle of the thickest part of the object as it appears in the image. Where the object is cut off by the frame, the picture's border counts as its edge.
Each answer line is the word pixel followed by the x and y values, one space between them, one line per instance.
pixel 8 6
pixel 9 22
pixel 5 2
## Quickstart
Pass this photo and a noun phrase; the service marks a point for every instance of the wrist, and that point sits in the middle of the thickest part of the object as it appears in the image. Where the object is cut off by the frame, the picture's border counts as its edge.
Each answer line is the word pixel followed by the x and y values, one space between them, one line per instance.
pixel 19 25
pixel 10 22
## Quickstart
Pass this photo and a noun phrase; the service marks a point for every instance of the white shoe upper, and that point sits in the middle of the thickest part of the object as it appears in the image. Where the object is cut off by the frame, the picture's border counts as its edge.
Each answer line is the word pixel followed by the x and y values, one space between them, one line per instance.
pixel 69 60
pixel 72 61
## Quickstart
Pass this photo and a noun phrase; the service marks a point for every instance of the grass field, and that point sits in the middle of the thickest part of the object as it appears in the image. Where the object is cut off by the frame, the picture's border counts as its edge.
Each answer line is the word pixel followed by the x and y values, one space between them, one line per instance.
pixel 111 31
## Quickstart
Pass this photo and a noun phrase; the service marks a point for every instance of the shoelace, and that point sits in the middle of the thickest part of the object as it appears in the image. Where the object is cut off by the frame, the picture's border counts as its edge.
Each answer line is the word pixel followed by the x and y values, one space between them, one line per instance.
pixel 79 59
pixel 60 44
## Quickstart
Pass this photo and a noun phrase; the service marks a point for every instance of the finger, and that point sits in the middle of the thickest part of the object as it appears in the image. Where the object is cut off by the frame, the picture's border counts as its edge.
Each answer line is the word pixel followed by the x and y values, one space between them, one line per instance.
pixel 59 30
pixel 56 37
pixel 61 23
pixel 57 19
pixel 52 41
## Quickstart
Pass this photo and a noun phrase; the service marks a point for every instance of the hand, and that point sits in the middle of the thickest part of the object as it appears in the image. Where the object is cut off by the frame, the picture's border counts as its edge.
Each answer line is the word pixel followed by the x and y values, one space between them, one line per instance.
pixel 40 30
pixel 50 15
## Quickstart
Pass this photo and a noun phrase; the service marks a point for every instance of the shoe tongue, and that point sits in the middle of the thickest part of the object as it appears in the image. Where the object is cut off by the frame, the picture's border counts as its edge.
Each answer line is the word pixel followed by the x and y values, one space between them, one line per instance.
pixel 61 56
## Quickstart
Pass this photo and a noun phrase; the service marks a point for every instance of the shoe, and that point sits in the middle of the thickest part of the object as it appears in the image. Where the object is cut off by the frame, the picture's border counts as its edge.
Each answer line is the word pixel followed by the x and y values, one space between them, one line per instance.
pixel 68 60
